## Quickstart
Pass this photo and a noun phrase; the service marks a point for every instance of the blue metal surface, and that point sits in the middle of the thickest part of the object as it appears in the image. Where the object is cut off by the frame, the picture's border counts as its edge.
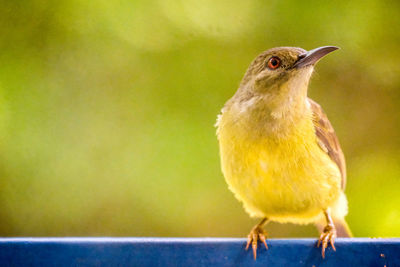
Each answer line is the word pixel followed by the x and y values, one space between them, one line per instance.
pixel 193 252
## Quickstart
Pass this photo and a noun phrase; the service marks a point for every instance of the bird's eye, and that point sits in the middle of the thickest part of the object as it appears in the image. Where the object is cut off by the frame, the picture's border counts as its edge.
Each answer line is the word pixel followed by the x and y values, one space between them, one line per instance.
pixel 273 63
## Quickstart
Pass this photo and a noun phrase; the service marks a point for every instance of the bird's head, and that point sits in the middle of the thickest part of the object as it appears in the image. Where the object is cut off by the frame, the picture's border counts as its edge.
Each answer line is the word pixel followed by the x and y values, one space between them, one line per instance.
pixel 282 67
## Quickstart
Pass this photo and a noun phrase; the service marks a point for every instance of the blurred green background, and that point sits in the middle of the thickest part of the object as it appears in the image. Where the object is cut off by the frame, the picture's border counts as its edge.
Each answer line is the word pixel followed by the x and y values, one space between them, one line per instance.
pixel 107 111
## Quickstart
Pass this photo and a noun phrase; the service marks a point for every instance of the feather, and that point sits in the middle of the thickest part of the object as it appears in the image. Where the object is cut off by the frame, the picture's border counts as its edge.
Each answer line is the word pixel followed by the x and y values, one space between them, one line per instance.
pixel 327 139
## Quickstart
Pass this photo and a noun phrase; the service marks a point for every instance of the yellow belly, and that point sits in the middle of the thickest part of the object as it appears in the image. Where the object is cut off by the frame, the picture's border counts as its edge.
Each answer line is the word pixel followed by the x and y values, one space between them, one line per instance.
pixel 289 179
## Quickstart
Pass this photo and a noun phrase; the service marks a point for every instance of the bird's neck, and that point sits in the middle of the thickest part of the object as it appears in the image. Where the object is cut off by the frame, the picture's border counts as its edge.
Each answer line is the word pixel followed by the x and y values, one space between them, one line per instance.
pixel 274 115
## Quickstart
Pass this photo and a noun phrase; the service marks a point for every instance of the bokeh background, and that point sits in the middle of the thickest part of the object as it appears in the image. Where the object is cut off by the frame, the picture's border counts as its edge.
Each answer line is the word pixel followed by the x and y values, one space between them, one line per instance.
pixel 107 111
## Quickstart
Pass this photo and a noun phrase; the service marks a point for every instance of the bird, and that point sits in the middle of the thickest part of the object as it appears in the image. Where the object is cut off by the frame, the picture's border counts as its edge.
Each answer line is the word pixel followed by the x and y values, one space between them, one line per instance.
pixel 280 155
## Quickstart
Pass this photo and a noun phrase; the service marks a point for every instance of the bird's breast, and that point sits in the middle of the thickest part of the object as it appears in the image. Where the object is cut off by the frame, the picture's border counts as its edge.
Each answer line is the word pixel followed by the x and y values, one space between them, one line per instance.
pixel 278 176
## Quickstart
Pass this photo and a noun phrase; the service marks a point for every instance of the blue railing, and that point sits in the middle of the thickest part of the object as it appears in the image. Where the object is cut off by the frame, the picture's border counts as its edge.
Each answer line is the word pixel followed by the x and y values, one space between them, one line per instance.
pixel 194 252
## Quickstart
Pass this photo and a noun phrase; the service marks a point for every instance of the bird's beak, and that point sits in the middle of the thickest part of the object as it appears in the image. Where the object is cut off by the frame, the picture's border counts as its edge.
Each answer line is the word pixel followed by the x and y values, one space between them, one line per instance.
pixel 311 57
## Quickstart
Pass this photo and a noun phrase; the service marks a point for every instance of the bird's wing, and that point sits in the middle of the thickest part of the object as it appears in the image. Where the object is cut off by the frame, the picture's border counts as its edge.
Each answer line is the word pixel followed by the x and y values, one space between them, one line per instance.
pixel 327 138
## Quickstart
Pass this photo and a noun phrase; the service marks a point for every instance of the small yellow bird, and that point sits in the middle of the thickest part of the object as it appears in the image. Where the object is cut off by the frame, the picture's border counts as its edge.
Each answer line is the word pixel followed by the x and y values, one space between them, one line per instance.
pixel 279 153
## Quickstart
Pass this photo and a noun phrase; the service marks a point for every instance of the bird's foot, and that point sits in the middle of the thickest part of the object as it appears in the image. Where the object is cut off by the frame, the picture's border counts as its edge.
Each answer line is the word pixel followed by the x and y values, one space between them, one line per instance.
pixel 327 236
pixel 257 233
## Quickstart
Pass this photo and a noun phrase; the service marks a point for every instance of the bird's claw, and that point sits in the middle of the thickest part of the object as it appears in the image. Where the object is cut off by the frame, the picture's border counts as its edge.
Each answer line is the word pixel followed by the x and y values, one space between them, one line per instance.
pixel 327 237
pixel 257 233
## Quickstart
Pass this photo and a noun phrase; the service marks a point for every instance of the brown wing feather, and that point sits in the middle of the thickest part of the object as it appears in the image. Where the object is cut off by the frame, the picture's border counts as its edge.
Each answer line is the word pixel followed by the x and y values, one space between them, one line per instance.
pixel 327 138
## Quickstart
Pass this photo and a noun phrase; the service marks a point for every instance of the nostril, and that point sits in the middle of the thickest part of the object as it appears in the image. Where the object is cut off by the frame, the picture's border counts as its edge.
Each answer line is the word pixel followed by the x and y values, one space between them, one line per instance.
pixel 301 56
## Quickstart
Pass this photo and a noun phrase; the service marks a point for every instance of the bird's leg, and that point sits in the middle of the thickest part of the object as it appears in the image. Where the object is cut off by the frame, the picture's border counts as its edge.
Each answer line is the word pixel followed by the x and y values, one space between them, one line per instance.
pixel 328 235
pixel 257 233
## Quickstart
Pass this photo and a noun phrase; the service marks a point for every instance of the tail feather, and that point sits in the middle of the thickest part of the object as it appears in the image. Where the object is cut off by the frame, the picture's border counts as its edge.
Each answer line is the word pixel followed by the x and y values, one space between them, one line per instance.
pixel 342 228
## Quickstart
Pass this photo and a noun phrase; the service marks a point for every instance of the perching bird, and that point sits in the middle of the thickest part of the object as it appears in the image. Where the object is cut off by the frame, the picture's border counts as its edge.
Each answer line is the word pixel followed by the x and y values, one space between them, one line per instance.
pixel 279 153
